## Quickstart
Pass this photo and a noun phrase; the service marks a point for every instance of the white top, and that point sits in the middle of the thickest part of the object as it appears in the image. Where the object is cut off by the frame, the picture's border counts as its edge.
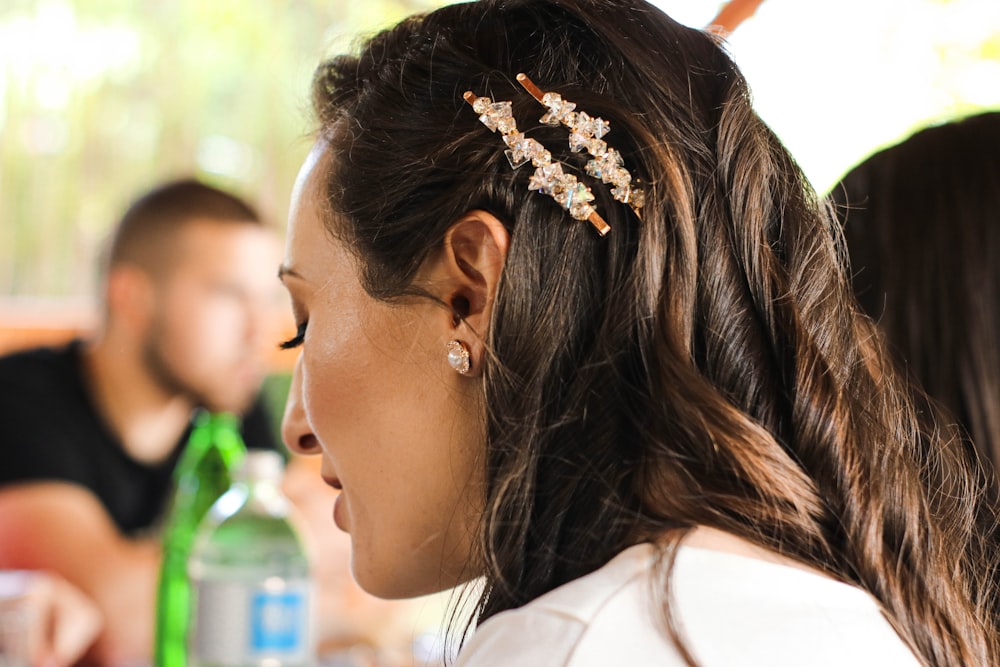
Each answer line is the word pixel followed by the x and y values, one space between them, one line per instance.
pixel 731 610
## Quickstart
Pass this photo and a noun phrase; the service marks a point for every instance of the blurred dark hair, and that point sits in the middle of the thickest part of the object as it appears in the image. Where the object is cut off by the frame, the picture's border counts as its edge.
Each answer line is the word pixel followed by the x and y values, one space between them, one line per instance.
pixel 145 232
pixel 706 365
pixel 922 222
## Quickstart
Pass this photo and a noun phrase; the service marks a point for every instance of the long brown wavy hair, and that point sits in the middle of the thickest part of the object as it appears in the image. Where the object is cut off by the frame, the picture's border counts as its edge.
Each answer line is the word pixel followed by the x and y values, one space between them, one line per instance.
pixel 922 223
pixel 706 365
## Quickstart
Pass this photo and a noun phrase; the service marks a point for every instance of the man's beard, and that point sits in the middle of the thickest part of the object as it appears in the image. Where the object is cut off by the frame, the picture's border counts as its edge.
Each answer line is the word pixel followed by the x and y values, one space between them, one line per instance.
pixel 163 374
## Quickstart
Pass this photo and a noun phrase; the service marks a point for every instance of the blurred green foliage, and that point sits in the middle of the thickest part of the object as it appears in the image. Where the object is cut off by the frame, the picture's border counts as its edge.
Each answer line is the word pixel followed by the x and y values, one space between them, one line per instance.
pixel 274 392
pixel 101 99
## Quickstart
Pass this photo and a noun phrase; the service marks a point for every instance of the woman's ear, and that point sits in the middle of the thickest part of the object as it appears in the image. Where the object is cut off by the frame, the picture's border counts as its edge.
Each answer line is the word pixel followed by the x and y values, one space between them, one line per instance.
pixel 466 274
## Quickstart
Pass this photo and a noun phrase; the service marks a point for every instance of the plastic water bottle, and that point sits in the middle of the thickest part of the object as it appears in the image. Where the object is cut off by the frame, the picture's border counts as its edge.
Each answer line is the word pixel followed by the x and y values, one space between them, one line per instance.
pixel 250 575
pixel 203 473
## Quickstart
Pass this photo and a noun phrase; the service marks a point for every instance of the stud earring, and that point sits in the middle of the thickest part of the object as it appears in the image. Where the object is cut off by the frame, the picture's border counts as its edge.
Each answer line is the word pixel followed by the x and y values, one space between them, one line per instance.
pixel 458 356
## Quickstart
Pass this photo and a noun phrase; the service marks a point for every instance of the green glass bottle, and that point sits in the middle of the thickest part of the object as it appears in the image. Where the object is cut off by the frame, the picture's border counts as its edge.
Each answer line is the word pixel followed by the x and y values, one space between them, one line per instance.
pixel 203 473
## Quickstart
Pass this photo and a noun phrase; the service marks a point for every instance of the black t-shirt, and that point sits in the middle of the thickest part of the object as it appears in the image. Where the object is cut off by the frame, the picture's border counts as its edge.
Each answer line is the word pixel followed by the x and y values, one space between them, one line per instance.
pixel 51 431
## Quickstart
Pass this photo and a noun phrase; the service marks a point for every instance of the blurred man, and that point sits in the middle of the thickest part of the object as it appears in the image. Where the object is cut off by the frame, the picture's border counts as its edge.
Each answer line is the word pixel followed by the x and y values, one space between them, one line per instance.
pixel 90 433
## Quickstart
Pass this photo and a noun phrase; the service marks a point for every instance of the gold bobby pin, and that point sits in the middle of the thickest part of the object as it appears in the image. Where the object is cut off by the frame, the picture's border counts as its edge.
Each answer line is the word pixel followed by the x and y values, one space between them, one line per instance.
pixel 586 134
pixel 549 178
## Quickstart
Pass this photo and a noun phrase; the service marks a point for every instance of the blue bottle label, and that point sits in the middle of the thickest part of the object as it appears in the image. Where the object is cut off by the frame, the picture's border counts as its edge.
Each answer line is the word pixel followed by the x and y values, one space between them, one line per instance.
pixel 277 620
pixel 237 623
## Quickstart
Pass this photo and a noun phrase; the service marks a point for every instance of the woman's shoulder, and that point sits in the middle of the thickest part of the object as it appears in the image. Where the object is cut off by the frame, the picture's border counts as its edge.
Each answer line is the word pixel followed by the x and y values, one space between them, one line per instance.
pixel 570 623
pixel 730 605
pixel 749 608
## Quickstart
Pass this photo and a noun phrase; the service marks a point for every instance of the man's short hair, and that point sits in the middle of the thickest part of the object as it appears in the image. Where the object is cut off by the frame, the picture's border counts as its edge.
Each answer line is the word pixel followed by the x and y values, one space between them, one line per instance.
pixel 144 234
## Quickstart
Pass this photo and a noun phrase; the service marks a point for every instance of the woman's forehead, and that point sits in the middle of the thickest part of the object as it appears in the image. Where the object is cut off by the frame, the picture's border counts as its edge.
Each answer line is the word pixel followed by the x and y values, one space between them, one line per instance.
pixel 309 172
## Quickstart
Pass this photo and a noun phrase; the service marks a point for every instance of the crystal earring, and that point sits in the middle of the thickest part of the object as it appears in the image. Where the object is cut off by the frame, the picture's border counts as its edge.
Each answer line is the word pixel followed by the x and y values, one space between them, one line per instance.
pixel 458 356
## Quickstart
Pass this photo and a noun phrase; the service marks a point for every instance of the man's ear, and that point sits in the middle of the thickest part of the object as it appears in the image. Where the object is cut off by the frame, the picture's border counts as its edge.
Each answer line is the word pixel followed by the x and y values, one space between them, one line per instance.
pixel 466 274
pixel 129 293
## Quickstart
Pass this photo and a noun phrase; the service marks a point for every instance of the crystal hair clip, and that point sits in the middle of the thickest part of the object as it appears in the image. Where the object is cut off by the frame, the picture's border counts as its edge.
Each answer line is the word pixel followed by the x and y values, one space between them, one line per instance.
pixel 549 178
pixel 586 133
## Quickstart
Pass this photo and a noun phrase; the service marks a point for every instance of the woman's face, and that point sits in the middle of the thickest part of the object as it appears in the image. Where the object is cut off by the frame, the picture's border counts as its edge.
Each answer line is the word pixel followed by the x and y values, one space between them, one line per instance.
pixel 400 432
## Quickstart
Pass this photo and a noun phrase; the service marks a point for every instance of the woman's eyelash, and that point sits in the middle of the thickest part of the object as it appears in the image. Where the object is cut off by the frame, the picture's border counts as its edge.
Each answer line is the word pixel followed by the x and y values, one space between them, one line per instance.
pixel 300 336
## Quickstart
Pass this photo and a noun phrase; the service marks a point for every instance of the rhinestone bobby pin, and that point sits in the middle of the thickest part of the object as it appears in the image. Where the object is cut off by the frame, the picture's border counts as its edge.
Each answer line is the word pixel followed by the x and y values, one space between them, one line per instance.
pixel 585 134
pixel 549 177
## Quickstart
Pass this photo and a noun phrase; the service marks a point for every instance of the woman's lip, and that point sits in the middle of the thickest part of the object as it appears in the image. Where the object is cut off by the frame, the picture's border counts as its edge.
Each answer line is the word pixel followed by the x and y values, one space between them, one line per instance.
pixel 338 513
pixel 332 481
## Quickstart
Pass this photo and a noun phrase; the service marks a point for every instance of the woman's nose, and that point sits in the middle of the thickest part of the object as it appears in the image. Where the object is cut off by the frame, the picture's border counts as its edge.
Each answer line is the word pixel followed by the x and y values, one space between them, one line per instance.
pixel 295 429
